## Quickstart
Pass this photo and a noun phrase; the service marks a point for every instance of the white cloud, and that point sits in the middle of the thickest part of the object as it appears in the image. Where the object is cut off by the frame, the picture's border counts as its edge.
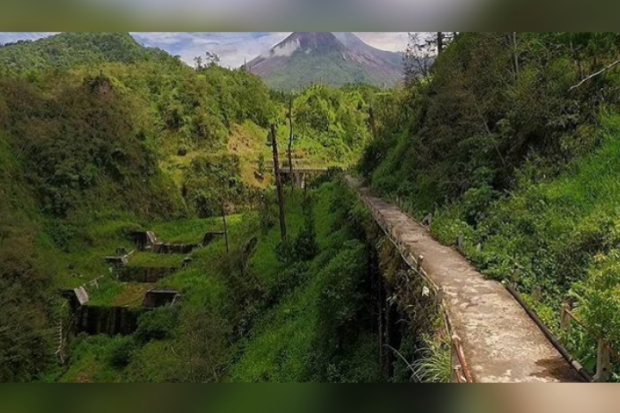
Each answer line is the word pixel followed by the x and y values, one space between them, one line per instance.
pixel 392 41
pixel 11 37
pixel 233 48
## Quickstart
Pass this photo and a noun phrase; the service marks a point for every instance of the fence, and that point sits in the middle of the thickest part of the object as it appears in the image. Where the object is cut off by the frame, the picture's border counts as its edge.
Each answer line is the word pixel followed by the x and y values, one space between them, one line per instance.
pixel 604 350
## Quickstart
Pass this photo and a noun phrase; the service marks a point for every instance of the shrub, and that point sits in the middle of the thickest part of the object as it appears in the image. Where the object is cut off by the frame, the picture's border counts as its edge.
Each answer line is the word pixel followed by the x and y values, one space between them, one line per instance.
pixel 157 324
pixel 122 352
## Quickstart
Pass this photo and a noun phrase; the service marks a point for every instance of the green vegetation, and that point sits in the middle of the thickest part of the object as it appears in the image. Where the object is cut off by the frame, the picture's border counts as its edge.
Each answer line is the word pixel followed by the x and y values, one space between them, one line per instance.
pixel 317 330
pixel 100 137
pixel 503 151
pixel 331 68
pixel 434 365
pixel 256 317
pixel 333 121
pixel 68 50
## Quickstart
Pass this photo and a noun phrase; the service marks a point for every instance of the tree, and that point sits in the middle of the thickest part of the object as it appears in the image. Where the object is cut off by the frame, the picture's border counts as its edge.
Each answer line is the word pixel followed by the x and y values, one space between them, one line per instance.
pixel 198 62
pixel 418 58
pixel 211 59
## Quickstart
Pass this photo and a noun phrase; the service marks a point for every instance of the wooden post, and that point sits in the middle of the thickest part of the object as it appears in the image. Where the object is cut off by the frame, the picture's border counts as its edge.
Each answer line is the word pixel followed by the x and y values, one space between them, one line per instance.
pixel 459 242
pixel 276 169
pixel 603 365
pixel 565 318
pixel 516 275
pixel 290 143
pixel 439 296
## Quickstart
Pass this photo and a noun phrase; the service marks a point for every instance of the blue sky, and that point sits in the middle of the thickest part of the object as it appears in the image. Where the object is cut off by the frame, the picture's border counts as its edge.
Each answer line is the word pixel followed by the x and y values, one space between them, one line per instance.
pixel 232 47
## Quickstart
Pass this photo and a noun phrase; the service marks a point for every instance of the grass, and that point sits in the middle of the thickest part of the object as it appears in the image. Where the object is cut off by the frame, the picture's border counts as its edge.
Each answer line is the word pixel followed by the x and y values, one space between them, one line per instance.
pixel 435 363
pixel 290 333
pixel 291 342
pixel 151 259
pixel 264 262
pixel 201 286
pixel 248 142
pixel 550 234
pixel 189 231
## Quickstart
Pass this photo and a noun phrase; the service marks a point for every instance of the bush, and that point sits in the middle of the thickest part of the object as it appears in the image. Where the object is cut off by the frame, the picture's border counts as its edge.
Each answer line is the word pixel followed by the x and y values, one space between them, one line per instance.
pixel 122 352
pixel 157 324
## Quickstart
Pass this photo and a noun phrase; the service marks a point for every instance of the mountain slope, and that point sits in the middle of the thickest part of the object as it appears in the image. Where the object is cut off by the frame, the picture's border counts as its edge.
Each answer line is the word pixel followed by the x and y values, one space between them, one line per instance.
pixel 519 167
pixel 67 50
pixel 330 58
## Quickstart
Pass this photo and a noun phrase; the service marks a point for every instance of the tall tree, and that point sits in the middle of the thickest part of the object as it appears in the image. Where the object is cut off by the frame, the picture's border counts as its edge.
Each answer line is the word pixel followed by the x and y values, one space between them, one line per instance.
pixel 417 58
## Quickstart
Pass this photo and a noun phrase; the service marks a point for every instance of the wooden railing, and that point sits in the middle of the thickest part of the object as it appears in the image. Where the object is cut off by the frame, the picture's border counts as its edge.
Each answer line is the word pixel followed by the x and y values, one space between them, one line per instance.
pixel 604 349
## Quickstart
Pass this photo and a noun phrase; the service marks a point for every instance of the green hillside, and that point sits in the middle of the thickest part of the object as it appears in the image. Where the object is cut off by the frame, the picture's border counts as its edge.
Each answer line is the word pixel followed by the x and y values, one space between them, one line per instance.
pixel 329 69
pixel 67 50
pixel 504 152
pixel 99 137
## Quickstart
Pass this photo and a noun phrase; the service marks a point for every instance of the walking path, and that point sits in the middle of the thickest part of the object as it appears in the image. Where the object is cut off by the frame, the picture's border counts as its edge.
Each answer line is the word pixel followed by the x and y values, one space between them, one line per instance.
pixel 500 341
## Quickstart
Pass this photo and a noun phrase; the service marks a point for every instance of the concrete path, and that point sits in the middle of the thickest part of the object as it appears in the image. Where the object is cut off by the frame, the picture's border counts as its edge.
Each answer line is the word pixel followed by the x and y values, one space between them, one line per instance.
pixel 500 341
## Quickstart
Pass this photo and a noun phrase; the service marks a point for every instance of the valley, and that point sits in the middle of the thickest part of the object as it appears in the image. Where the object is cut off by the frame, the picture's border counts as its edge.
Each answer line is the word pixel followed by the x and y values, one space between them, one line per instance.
pixel 444 214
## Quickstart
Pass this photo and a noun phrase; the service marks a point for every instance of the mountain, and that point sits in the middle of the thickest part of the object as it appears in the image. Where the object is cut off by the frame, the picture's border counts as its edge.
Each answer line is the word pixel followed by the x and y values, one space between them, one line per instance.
pixel 322 57
pixel 68 50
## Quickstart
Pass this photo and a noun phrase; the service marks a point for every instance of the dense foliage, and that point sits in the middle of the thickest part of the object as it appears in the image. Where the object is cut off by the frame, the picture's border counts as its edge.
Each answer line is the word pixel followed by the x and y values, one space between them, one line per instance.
pixel 505 146
pixel 100 136
pixel 247 315
pixel 336 119
pixel 67 50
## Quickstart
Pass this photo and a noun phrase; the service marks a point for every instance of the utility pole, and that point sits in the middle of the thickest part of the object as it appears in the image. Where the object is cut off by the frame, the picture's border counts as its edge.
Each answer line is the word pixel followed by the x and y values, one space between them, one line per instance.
pixel 276 170
pixel 290 144
pixel 225 226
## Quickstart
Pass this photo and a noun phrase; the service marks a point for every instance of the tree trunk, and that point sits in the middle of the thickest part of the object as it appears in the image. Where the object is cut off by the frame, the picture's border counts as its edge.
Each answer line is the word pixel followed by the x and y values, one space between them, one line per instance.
pixel 276 170
pixel 371 118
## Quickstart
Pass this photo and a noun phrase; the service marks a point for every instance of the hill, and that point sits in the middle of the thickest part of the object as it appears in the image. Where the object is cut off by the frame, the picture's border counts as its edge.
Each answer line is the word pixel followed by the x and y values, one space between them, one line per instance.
pixel 67 50
pixel 332 59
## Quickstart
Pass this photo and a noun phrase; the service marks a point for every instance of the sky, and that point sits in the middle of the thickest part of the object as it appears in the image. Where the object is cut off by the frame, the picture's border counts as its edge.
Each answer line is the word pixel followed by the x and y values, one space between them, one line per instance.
pixel 232 47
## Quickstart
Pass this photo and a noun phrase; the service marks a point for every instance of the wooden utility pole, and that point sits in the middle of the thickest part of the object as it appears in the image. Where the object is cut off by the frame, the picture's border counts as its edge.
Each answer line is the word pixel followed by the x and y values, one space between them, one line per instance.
pixel 290 144
pixel 225 226
pixel 276 170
